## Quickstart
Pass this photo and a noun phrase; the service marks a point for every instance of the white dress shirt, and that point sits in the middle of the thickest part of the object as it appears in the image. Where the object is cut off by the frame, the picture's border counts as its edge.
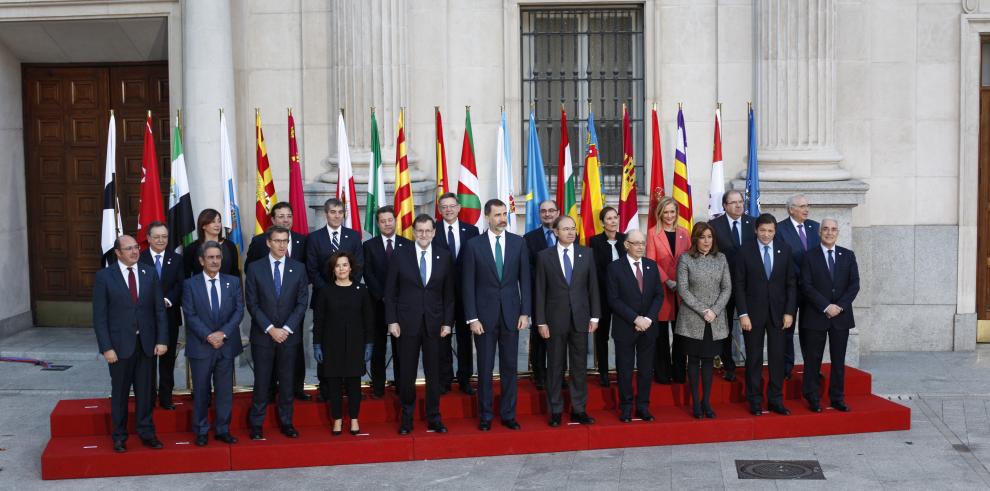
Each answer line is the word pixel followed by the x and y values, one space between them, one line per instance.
pixel 159 257
pixel 281 272
pixel 613 248
pixel 429 259
pixel 738 223
pixel 761 245
pixel 457 234
pixel 123 271
pixel 206 279
pixel 491 242
pixel 339 230
pixel 386 239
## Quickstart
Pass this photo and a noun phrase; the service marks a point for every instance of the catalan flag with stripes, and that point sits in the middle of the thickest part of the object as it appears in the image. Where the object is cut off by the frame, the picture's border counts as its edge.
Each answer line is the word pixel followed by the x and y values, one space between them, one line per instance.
pixel 403 187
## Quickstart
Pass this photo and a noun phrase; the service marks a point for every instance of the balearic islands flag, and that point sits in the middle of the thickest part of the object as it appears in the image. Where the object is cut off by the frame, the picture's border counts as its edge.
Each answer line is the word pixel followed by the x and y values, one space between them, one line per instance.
pixel 265 186
pixel 467 178
pixel 181 226
pixel 345 179
pixel 111 228
pixel 682 187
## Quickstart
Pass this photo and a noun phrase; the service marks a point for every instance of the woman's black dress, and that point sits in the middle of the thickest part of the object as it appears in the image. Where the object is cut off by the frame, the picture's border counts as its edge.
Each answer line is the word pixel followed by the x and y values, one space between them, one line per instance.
pixel 342 324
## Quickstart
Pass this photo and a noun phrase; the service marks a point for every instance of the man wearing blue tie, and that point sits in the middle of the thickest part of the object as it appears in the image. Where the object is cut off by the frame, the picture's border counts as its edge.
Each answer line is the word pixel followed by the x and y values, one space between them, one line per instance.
pixel 537 240
pixel 214 308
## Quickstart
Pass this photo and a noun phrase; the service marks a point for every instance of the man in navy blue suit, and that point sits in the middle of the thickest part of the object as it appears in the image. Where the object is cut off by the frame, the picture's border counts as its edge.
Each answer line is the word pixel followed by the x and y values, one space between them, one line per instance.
pixel 765 292
pixel 168 269
pixel 277 290
pixel 320 245
pixel 131 329
pixel 419 310
pixel 214 308
pixel 452 235
pixel 497 291
pixel 830 283
pixel 537 240
pixel 378 253
pixel 801 235
pixel 732 229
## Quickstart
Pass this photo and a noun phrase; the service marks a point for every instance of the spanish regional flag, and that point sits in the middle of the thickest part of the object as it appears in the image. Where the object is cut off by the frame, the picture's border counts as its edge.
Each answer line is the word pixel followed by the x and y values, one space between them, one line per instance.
pixel 628 207
pixel 443 185
pixel 403 188
pixel 592 199
pixel 682 188
pixel 265 185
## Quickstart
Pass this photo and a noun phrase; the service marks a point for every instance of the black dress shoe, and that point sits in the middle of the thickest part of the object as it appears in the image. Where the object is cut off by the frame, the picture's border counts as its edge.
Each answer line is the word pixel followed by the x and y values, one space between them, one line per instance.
pixel 604 381
pixel 625 416
pixel 644 414
pixel 840 406
pixel 677 380
pixel 302 396
pixel 119 447
pixel 696 411
pixel 290 431
pixel 256 434
pixel 779 409
pixel 511 424
pixel 405 428
pixel 555 420
pixel 485 425
pixel 168 406
pixel 226 438
pixel 152 442
pixel 729 376
pixel 202 440
pixel 582 418
pixel 662 380
pixel 756 410
pixel 707 409
pixel 539 385
pixel 467 389
pixel 814 406
pixel 444 388
pixel 437 427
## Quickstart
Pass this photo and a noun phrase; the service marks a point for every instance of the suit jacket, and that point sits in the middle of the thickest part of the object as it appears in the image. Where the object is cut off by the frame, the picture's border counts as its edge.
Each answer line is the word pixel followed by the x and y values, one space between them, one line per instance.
pixel 318 253
pixel 603 256
pixel 761 298
pixel 288 309
pixel 658 249
pixel 410 303
pixel 376 264
pixel 199 321
pixel 723 235
pixel 821 289
pixel 116 317
pixel 171 282
pixel 259 248
pixel 536 241
pixel 485 296
pixel 559 304
pixel 787 233
pixel 466 232
pixel 625 299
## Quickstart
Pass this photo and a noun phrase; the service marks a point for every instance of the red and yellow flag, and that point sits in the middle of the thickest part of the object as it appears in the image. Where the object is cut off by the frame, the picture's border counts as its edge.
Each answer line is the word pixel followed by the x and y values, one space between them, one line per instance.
pixel 592 198
pixel 682 186
pixel 628 207
pixel 403 187
pixel 265 186
pixel 443 185
pixel 297 199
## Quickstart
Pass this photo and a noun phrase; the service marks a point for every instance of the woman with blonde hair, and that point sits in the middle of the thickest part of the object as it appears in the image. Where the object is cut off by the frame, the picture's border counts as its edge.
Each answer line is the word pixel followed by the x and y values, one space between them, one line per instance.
pixel 665 244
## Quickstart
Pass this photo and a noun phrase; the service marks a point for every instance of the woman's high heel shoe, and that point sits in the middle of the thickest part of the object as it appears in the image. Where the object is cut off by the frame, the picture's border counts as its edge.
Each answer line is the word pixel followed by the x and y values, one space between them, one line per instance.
pixel 697 411
pixel 355 428
pixel 336 430
pixel 709 413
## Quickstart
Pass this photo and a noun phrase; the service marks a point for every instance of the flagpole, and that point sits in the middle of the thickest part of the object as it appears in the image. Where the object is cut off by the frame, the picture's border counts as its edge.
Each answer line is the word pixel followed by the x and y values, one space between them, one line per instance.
pixel 116 200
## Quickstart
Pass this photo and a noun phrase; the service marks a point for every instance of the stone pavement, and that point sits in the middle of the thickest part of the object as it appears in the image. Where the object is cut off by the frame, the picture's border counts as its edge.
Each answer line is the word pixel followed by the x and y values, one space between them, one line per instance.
pixel 948 446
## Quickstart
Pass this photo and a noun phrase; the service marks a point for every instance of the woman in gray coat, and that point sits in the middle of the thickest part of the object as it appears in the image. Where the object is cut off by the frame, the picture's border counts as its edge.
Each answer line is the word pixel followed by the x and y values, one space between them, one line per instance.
pixel 704 286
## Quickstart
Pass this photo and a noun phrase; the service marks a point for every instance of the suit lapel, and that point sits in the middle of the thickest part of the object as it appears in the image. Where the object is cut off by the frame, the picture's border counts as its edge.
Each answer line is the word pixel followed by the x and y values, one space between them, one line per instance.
pixel 664 243
pixel 490 255
pixel 559 267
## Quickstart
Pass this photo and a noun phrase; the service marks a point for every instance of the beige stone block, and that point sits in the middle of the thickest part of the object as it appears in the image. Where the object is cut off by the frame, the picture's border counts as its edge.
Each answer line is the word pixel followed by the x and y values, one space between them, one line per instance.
pixel 272 6
pixel 937 149
pixel 316 5
pixel 893 30
pixel 853 139
pixel 937 201
pixel 692 84
pixel 736 32
pixel 316 37
pixel 475 38
pixel 852 37
pixel 272 91
pixel 938 91
pixel 892 90
pixel 852 90
pixel 314 148
pixel 892 148
pixel 938 33
pixel 891 200
pixel 316 96
pixel 687 33
pixel 735 89
pixel 278 47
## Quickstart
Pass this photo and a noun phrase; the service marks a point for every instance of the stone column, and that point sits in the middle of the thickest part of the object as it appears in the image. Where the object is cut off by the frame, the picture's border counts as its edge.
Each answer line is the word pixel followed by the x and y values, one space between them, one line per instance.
pixel 208 84
pixel 795 100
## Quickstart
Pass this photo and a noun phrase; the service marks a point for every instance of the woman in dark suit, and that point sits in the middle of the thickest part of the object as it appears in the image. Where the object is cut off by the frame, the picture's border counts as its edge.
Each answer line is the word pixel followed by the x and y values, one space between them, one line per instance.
pixel 209 227
pixel 607 247
pixel 704 285
pixel 343 320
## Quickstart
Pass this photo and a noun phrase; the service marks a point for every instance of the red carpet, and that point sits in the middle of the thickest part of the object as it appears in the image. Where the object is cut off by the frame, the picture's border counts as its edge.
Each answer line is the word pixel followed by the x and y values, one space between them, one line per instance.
pixel 80 444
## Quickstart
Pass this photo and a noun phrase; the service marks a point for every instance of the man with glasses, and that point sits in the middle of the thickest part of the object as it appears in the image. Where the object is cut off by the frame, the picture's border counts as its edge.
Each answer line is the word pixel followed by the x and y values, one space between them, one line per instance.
pixel 452 235
pixel 168 270
pixel 801 235
pixel 733 229
pixel 537 240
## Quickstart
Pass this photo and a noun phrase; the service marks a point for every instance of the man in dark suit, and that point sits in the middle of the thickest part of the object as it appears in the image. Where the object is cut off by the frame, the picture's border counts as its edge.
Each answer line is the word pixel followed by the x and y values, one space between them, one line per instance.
pixel 320 244
pixel 566 307
pixel 801 235
pixel 537 240
pixel 419 310
pixel 378 254
pixel 732 229
pixel 635 296
pixel 214 308
pixel 276 291
pixel 830 282
pixel 168 269
pixel 131 329
pixel 452 235
pixel 281 215
pixel 765 290
pixel 497 289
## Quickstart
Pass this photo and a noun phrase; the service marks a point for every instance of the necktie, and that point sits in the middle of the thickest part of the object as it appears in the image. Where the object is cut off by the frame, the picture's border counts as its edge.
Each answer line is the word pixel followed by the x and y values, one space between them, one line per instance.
pixel 550 241
pixel 335 243
pixel 767 267
pixel 498 257
pixel 422 266
pixel 214 301
pixel 639 276
pixel 158 265
pixel 388 248
pixel 568 268
pixel 450 240
pixel 831 264
pixel 278 280
pixel 804 238
pixel 736 241
pixel 132 284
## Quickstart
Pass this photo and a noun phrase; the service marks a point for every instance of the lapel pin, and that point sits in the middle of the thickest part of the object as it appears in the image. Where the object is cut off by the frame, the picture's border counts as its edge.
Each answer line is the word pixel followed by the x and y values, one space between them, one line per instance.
pixel 228 285
pixel 840 253
pixel 778 251
pixel 579 255
pixel 142 271
pixel 290 270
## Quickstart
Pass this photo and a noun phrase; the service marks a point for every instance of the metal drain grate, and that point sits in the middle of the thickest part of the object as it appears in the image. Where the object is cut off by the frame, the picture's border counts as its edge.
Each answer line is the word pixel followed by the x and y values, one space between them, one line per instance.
pixel 779 469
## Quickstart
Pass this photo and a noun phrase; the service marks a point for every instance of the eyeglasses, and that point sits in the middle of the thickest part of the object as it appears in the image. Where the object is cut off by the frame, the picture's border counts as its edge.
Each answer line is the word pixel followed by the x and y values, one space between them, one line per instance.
pixel 280 241
pixel 638 243
pixel 449 207
pixel 548 211
pixel 130 248
pixel 734 202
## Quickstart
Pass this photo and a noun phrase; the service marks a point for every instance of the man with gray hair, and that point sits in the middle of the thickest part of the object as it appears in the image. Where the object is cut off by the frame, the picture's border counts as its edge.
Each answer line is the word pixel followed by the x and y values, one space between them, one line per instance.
pixel 801 235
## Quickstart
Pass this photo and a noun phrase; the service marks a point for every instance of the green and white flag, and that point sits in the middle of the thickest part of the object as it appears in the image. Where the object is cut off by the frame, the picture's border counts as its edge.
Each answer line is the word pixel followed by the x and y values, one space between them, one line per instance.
pixel 376 182
pixel 181 225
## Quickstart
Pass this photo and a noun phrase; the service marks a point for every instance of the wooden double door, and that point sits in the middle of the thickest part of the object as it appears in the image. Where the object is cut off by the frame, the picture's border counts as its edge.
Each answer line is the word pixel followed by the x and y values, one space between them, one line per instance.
pixel 66 115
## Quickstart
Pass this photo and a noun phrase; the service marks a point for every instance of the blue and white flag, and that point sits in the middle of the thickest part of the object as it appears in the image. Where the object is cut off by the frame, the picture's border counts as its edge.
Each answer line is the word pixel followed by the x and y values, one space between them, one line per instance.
pixel 231 213
pixel 752 172
pixel 536 178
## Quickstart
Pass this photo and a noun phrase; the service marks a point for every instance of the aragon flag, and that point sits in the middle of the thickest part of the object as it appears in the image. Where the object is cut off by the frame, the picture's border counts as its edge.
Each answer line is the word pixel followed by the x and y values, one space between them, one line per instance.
pixel 265 185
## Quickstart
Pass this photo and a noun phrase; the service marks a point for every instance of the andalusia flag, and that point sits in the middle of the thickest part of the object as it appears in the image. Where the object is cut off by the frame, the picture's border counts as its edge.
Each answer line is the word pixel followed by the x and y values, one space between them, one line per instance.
pixel 403 187
pixel 467 178
pixel 265 188
pixel 181 225
pixel 566 199
pixel 592 198
pixel 376 182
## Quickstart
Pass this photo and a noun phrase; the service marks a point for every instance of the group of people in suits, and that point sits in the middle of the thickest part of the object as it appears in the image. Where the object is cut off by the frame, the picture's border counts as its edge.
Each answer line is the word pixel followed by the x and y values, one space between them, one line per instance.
pixel 667 298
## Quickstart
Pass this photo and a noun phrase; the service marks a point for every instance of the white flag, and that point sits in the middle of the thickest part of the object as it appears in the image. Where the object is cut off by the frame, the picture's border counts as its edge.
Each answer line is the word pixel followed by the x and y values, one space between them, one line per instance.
pixel 503 172
pixel 716 187
pixel 111 228
pixel 345 180
pixel 231 214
